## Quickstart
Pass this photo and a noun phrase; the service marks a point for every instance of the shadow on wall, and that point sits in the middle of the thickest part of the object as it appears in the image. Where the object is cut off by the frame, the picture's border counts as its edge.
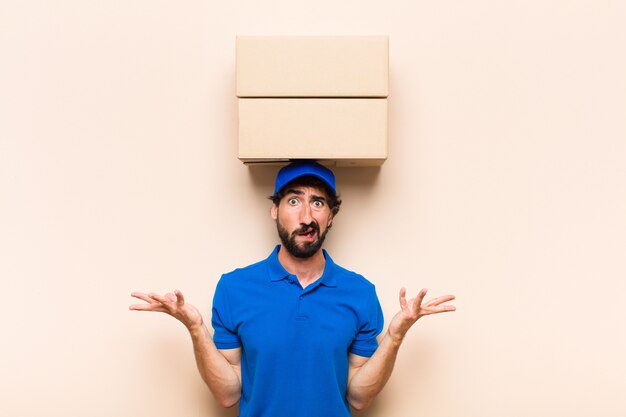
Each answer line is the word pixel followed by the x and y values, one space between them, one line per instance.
pixel 263 176
pixel 374 410
pixel 214 409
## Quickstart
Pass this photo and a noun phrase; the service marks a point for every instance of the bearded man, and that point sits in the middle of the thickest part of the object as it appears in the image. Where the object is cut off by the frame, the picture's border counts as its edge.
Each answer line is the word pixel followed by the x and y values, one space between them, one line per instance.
pixel 295 335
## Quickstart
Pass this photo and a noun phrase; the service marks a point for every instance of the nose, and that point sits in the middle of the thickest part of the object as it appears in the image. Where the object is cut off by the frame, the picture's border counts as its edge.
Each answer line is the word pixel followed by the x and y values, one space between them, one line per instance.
pixel 306 216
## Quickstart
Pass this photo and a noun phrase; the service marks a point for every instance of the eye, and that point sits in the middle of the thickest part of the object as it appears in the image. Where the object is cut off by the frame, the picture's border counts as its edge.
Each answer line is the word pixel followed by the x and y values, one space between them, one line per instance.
pixel 292 201
pixel 318 204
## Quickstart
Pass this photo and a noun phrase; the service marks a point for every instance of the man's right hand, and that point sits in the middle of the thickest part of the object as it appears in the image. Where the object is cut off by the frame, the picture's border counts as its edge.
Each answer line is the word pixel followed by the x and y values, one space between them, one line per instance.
pixel 172 304
pixel 220 369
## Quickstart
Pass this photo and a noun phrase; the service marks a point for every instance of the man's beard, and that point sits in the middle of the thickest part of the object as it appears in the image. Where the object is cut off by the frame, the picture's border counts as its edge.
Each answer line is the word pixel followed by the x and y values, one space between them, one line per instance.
pixel 307 249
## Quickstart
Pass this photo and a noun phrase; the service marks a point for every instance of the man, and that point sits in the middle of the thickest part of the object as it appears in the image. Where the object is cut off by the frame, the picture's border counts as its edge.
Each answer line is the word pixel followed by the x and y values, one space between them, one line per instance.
pixel 296 334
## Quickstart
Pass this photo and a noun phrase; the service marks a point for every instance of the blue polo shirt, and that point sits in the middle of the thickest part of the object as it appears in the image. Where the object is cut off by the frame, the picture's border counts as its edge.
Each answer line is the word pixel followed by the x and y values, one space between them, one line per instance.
pixel 295 341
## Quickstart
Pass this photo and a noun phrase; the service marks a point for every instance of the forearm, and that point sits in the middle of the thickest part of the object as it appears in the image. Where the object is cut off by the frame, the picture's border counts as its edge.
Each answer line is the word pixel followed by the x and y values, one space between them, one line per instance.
pixel 368 380
pixel 367 377
pixel 222 377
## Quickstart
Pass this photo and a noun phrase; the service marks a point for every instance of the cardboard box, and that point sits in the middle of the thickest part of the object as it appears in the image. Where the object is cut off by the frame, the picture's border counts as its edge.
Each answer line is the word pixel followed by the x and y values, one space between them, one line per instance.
pixel 329 66
pixel 350 132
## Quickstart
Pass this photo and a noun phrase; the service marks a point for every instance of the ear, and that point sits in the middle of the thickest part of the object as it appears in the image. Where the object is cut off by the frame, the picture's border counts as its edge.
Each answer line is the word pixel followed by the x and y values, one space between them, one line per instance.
pixel 274 211
pixel 330 221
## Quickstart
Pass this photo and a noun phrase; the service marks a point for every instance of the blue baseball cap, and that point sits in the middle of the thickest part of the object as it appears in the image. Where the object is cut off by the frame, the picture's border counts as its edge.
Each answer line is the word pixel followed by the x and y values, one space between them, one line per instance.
pixel 299 169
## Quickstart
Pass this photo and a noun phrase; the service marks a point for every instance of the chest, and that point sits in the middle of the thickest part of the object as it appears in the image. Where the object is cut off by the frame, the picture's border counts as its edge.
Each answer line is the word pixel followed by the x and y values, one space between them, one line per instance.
pixel 288 318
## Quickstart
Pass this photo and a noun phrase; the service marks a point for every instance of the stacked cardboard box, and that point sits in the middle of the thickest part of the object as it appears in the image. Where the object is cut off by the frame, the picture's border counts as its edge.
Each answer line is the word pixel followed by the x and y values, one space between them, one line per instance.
pixel 321 98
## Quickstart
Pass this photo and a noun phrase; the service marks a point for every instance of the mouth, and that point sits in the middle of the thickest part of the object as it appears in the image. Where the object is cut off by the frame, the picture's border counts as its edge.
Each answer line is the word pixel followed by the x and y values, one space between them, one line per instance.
pixel 307 233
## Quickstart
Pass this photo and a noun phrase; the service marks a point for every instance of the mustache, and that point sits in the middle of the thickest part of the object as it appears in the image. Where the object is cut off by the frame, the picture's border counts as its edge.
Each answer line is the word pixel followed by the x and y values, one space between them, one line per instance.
pixel 306 227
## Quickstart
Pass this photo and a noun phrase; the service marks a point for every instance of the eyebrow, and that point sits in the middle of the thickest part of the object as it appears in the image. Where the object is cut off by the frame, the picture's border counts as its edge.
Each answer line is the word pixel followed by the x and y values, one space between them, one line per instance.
pixel 299 192
pixel 293 191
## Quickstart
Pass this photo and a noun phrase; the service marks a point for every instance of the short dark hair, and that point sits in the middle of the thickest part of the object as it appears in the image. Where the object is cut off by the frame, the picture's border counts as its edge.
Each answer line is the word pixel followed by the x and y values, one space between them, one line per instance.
pixel 334 202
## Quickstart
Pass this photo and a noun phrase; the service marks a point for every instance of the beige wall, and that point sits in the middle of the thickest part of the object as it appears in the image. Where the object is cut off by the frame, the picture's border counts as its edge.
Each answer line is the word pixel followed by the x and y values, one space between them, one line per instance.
pixel 505 184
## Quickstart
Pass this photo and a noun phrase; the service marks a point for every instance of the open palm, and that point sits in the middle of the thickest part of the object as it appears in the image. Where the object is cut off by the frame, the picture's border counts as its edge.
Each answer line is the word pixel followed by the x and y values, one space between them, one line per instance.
pixel 172 304
pixel 415 308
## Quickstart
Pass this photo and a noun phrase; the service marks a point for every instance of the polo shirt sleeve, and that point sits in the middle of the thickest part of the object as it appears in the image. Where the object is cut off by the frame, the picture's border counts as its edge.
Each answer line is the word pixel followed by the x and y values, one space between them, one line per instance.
pixel 371 324
pixel 225 335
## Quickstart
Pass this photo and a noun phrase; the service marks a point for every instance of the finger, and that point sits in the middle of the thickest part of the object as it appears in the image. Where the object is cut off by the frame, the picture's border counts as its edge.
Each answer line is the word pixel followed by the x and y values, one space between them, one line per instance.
pixel 417 302
pixel 402 297
pixel 179 297
pixel 158 298
pixel 147 307
pixel 443 309
pixel 170 297
pixel 440 300
pixel 141 296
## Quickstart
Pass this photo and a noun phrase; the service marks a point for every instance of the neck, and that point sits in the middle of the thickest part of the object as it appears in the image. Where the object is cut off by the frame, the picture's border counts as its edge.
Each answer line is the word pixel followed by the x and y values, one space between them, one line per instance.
pixel 308 270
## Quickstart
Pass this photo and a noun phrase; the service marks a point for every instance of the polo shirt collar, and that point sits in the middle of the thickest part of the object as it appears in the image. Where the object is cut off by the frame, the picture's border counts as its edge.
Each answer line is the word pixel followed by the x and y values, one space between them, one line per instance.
pixel 277 272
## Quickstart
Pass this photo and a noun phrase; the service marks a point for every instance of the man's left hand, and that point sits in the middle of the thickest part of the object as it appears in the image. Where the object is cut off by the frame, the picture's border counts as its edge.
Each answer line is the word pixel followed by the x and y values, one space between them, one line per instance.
pixel 415 308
